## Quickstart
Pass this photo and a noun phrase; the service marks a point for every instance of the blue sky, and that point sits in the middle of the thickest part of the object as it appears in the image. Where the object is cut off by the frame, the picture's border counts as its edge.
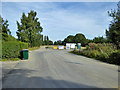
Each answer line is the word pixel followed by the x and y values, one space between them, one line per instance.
pixel 60 19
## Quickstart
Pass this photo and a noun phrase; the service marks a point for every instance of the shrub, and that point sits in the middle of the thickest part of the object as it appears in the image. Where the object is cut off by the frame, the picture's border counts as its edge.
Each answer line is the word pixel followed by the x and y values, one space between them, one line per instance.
pixel 106 52
pixel 11 49
pixel 102 57
pixel 0 49
pixel 23 45
pixel 114 58
pixel 95 53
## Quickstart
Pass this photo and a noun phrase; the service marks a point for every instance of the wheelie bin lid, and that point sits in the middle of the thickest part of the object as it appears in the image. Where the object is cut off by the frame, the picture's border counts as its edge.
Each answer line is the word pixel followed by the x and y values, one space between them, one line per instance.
pixel 24 50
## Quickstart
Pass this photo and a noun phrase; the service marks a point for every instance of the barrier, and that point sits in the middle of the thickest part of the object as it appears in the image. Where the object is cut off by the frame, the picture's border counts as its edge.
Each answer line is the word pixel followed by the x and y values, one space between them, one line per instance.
pixel 61 47
pixel 55 47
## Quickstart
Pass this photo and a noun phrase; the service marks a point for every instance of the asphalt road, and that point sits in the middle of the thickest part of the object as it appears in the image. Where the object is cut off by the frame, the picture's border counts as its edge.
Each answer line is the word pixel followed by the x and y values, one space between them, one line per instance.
pixel 60 69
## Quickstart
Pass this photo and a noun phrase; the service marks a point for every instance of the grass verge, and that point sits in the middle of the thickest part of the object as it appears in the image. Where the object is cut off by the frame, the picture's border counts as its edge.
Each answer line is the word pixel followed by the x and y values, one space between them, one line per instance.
pixel 33 48
pixel 11 59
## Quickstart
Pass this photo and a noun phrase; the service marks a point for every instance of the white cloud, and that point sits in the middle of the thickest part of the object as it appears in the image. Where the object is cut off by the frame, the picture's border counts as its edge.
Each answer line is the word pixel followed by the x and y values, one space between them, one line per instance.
pixel 58 22
pixel 63 22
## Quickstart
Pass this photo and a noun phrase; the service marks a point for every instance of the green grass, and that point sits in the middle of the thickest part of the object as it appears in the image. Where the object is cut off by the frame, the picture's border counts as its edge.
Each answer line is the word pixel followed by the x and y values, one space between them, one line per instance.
pixel 33 48
pixel 11 59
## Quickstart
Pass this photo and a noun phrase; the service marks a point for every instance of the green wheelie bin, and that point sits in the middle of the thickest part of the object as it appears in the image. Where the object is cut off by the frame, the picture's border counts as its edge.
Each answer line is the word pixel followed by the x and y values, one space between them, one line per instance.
pixel 79 46
pixel 24 53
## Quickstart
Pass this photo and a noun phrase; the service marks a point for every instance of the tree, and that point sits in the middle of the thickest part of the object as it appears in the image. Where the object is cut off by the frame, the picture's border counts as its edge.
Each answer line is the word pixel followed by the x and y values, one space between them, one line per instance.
pixel 47 38
pixel 29 30
pixel 58 42
pixel 90 41
pixel 69 39
pixel 47 41
pixel 50 42
pixel 99 40
pixel 55 43
pixel 0 29
pixel 4 28
pixel 113 34
pixel 80 38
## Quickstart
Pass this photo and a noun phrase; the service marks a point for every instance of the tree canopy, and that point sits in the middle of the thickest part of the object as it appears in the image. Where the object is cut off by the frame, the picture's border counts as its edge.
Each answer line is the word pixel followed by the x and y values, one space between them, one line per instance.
pixel 4 28
pixel 29 29
pixel 58 42
pixel 47 41
pixel 78 38
pixel 113 34
pixel 69 39
pixel 99 39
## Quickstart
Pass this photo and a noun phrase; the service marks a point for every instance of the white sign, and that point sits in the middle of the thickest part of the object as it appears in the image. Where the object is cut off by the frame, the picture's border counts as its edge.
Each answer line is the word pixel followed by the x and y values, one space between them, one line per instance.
pixel 61 47
pixel 73 45
pixel 67 46
pixel 70 45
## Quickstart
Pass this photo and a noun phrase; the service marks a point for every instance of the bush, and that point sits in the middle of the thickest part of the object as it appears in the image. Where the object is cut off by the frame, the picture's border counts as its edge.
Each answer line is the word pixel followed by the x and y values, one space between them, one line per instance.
pixel 105 52
pixel 95 53
pixel 11 49
pixel 114 58
pixel 101 51
pixel 102 57
pixel 23 45
pixel 0 49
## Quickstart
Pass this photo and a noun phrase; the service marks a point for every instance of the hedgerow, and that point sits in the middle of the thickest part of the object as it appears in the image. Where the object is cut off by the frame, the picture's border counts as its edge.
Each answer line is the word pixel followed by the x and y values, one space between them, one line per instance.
pixel 11 49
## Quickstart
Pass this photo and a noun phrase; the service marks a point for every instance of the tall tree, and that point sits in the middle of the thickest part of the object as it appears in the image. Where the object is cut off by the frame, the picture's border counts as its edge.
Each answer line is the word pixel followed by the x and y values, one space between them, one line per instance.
pixel 29 30
pixel 47 41
pixel 0 38
pixel 47 38
pixel 4 28
pixel 113 34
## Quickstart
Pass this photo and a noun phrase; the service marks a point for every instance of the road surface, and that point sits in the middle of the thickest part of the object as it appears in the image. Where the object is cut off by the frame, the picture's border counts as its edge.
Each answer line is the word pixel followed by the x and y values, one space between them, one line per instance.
pixel 60 69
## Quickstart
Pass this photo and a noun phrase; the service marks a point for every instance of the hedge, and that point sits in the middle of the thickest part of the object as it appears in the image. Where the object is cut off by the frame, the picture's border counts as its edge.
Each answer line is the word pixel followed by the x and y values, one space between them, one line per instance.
pixel 23 45
pixel 11 49
pixel 0 50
